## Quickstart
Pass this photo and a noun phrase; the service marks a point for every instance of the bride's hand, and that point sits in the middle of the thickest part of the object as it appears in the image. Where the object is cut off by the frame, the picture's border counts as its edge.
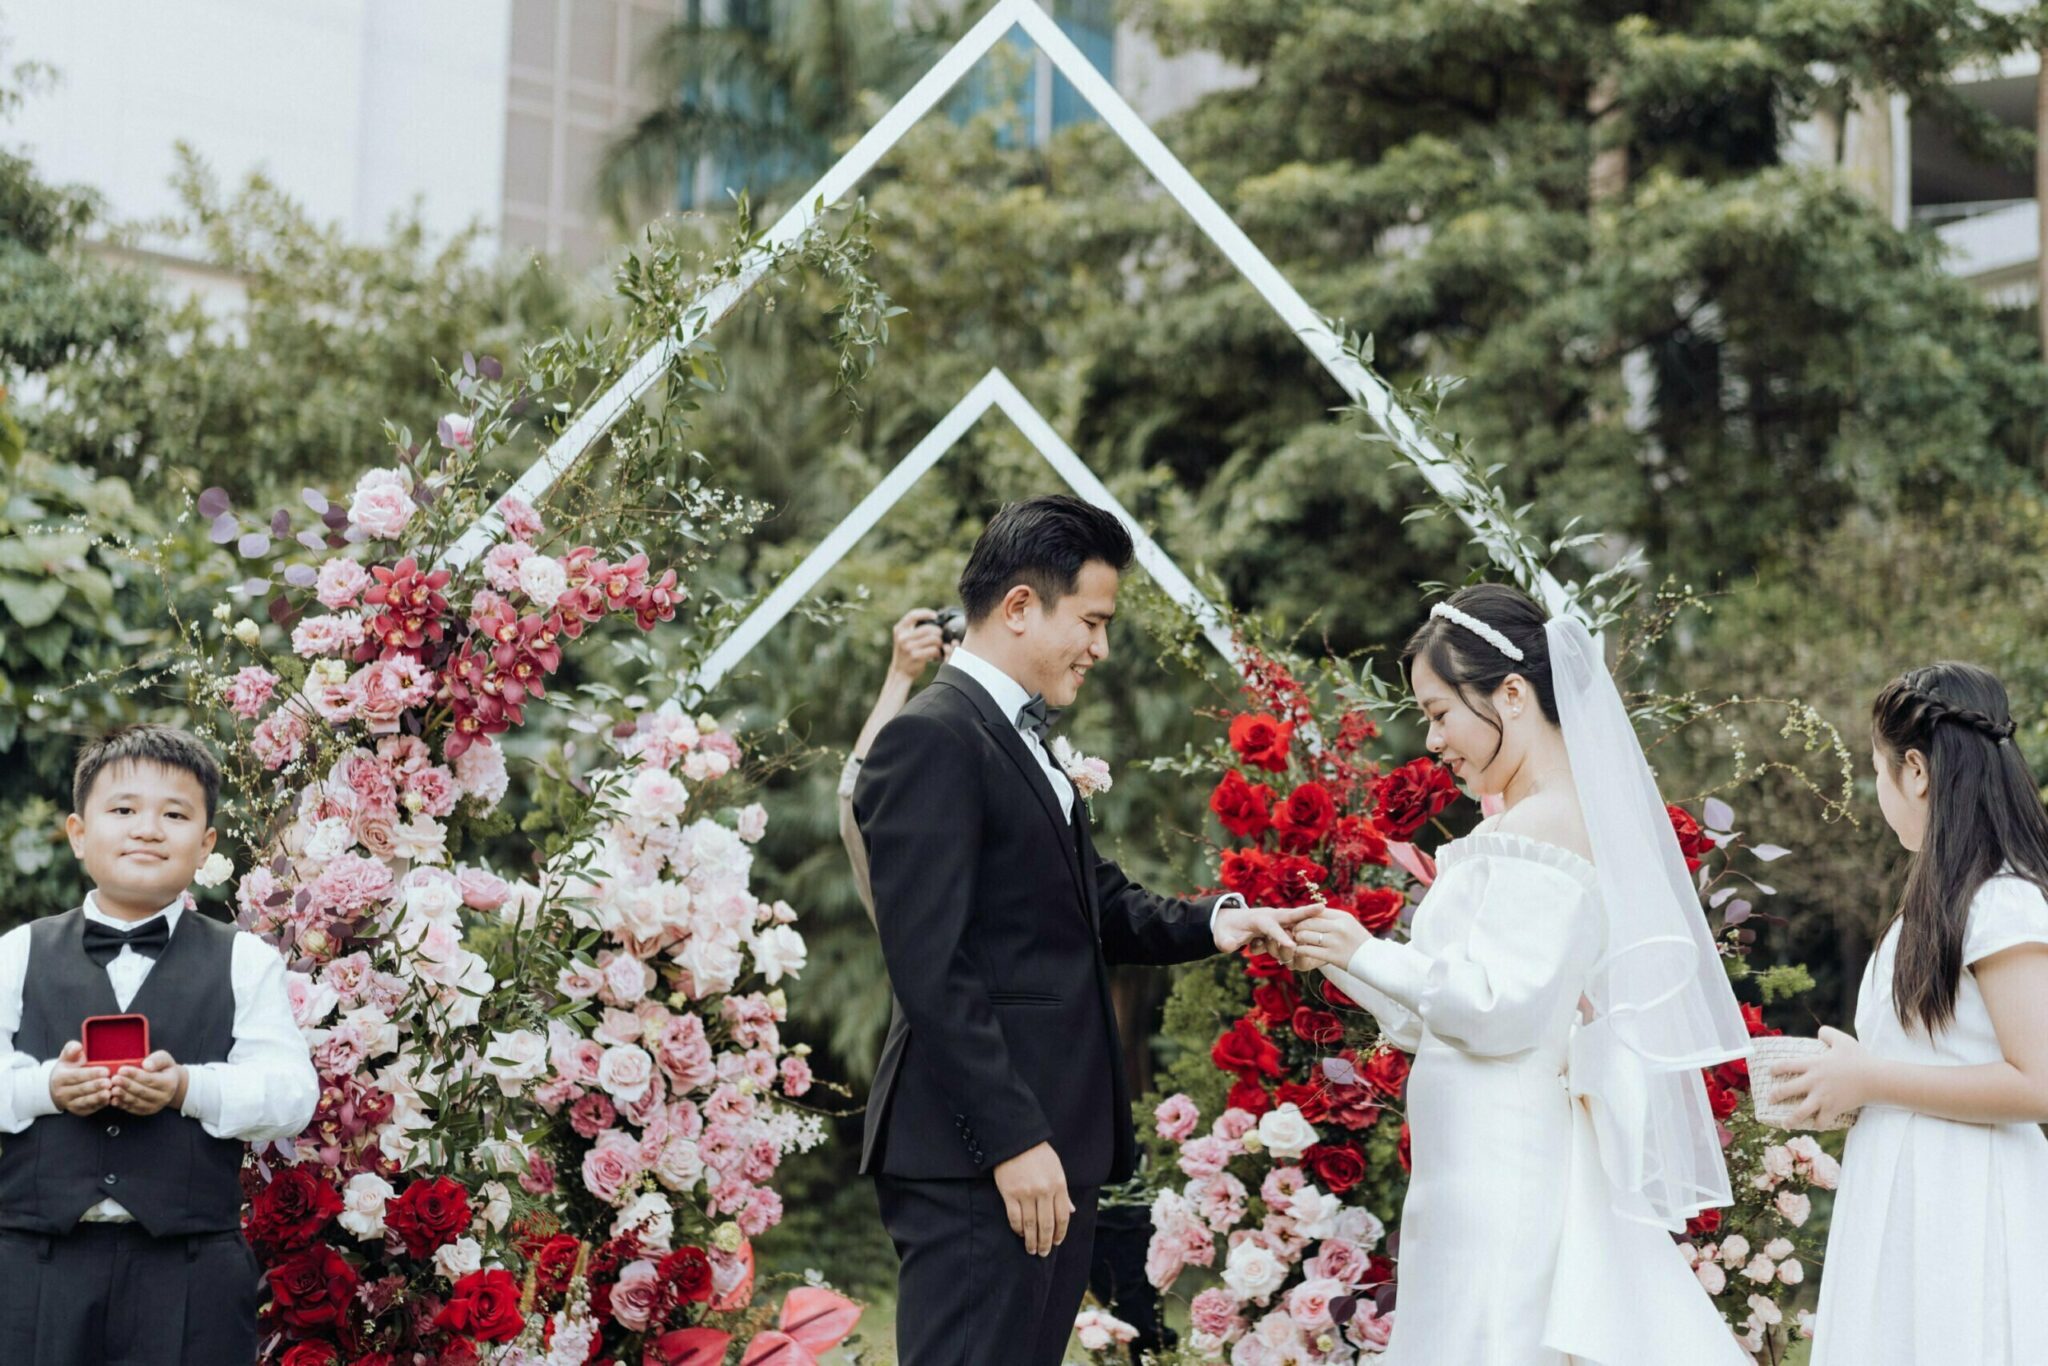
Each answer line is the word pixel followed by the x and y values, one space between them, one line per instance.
pixel 1327 939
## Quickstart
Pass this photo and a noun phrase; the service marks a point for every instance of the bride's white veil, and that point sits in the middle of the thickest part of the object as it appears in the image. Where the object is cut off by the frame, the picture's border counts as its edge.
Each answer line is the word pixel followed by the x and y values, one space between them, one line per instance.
pixel 1662 1006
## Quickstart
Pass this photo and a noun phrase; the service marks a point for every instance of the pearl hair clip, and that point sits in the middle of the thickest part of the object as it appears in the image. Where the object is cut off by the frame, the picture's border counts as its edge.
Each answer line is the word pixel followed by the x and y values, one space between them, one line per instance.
pixel 1478 628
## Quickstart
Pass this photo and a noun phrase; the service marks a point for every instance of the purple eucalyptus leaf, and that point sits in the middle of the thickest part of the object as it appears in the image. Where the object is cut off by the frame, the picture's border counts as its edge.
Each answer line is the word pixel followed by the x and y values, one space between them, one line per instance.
pixel 213 503
pixel 280 524
pixel 1340 1072
pixel 490 368
pixel 335 518
pixel 1737 912
pixel 1770 853
pixel 281 610
pixel 1342 1309
pixel 446 432
pixel 253 587
pixel 312 539
pixel 426 493
pixel 1721 897
pixel 468 363
pixel 314 499
pixel 335 540
pixel 1719 815
pixel 1764 889
pixel 252 544
pixel 355 535
pixel 224 529
pixel 302 575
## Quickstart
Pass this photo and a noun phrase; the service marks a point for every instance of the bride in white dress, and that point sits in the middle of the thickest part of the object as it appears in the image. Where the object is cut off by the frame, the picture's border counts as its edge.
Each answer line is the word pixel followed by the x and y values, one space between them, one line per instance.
pixel 1560 993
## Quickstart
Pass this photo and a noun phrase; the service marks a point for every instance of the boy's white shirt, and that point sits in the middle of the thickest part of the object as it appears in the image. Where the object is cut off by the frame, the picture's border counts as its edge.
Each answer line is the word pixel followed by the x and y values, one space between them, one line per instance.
pixel 266 1089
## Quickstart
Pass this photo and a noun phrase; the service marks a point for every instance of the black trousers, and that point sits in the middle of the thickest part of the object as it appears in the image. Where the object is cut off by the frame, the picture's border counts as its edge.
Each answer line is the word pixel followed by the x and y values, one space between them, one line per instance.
pixel 112 1295
pixel 967 1293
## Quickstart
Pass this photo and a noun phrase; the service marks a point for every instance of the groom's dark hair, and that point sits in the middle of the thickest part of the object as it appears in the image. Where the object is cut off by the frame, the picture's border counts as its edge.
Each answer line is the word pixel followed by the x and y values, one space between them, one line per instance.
pixel 1041 542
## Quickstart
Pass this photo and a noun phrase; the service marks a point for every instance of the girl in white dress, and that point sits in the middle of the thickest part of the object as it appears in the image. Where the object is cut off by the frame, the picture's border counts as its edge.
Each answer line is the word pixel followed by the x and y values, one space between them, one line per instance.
pixel 1560 993
pixel 1938 1253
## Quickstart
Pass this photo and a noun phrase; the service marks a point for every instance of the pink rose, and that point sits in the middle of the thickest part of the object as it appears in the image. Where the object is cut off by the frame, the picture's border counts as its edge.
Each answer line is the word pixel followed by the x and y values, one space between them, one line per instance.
pixel 339 584
pixel 248 690
pixel 1308 1304
pixel 579 981
pixel 521 521
pixel 608 1169
pixel 1280 1187
pixel 482 890
pixel 753 823
pixel 626 979
pixel 279 738
pixel 1338 1260
pixel 381 504
pixel 636 1295
pixel 685 1054
pixel 1214 1312
pixel 1204 1157
pixel 501 566
pixel 1176 1118
pixel 1233 1124
pixel 796 1076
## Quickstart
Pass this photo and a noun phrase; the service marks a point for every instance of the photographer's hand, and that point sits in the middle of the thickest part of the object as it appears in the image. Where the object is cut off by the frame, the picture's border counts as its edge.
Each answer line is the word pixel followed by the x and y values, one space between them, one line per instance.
pixel 918 641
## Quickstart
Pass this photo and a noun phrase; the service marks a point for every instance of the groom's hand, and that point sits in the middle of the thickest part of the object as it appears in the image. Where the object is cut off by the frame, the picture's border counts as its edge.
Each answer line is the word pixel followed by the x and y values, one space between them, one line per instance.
pixel 1034 1187
pixel 1237 926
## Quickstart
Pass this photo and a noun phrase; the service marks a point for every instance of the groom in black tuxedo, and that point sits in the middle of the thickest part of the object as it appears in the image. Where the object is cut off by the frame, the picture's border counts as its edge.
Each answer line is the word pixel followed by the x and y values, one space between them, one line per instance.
pixel 1000 1108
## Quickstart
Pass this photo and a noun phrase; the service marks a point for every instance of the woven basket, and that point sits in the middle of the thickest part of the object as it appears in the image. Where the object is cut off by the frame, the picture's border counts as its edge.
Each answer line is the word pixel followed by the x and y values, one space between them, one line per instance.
pixel 1766 1054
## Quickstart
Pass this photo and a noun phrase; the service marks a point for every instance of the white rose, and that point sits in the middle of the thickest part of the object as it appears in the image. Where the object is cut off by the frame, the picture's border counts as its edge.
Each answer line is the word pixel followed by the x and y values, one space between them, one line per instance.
pixel 679 1167
pixel 459 1258
pixel 651 1218
pixel 542 578
pixel 433 898
pixel 753 823
pixel 362 1205
pixel 1314 1212
pixel 655 794
pixel 625 1072
pixel 217 869
pixel 421 840
pixel 779 951
pixel 497 1206
pixel 330 839
pixel 1253 1273
pixel 519 1056
pixel 1285 1134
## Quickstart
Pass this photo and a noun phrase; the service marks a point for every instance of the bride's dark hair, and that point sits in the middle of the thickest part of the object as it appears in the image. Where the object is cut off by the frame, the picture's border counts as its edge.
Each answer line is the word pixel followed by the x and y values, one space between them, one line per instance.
pixel 1474 665
pixel 1984 814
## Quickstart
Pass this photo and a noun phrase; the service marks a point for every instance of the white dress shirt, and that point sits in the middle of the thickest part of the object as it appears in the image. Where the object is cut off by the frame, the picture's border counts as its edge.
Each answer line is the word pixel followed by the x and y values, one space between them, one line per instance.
pixel 1010 697
pixel 266 1089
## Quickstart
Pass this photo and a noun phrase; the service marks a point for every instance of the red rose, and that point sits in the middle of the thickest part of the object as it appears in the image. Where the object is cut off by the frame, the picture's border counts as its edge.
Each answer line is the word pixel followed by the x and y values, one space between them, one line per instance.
pixel 1401 1150
pixel 314 1288
pixel 554 1261
pixel 1305 817
pixel 429 1214
pixel 1244 1050
pixel 1261 740
pixel 312 1354
pixel 1724 1100
pixel 1359 842
pixel 1247 1095
pixel 1692 841
pixel 1753 1020
pixel 1244 808
pixel 1386 1072
pixel 1312 1101
pixel 1378 908
pixel 1334 997
pixel 291 1209
pixel 1275 1000
pixel 484 1306
pixel 1733 1074
pixel 1265 967
pixel 1294 881
pixel 1707 1221
pixel 1317 1026
pixel 1410 796
pixel 686 1275
pixel 1337 1167
pixel 1249 873
pixel 1353 1107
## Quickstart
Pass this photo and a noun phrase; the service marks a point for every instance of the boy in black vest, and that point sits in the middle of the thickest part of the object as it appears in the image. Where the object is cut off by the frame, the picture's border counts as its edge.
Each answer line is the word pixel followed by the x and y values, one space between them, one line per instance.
pixel 120 1199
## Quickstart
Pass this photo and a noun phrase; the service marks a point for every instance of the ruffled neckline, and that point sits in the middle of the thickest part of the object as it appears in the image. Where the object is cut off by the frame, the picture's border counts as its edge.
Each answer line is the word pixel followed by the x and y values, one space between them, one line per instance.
pixel 1509 844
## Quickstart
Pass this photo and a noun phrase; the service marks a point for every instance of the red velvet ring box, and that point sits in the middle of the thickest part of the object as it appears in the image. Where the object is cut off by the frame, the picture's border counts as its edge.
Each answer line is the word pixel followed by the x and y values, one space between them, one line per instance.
pixel 116 1041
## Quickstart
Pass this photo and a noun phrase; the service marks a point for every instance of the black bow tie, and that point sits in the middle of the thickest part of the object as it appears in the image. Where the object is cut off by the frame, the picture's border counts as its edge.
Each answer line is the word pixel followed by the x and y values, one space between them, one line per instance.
pixel 1035 717
pixel 103 943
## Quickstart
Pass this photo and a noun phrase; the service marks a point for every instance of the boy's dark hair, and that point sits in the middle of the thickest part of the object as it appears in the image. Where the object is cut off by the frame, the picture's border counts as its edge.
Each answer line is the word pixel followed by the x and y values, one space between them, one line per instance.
pixel 1041 542
pixel 147 743
pixel 1984 817
pixel 1474 665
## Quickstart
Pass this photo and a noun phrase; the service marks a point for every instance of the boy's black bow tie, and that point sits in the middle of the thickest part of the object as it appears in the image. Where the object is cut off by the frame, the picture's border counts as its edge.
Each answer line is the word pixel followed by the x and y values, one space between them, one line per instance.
pixel 103 943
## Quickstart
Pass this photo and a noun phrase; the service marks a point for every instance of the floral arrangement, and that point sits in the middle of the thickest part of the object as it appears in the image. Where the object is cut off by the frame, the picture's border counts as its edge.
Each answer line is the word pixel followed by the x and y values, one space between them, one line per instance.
pixel 1280 1153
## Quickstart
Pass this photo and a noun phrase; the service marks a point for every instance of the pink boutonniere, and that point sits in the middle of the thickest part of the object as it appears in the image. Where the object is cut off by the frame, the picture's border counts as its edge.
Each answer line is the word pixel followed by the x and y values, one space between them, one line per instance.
pixel 1089 776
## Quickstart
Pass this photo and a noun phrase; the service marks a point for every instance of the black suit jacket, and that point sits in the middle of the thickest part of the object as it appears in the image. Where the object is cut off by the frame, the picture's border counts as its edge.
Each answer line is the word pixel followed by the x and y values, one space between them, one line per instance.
pixel 998 922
